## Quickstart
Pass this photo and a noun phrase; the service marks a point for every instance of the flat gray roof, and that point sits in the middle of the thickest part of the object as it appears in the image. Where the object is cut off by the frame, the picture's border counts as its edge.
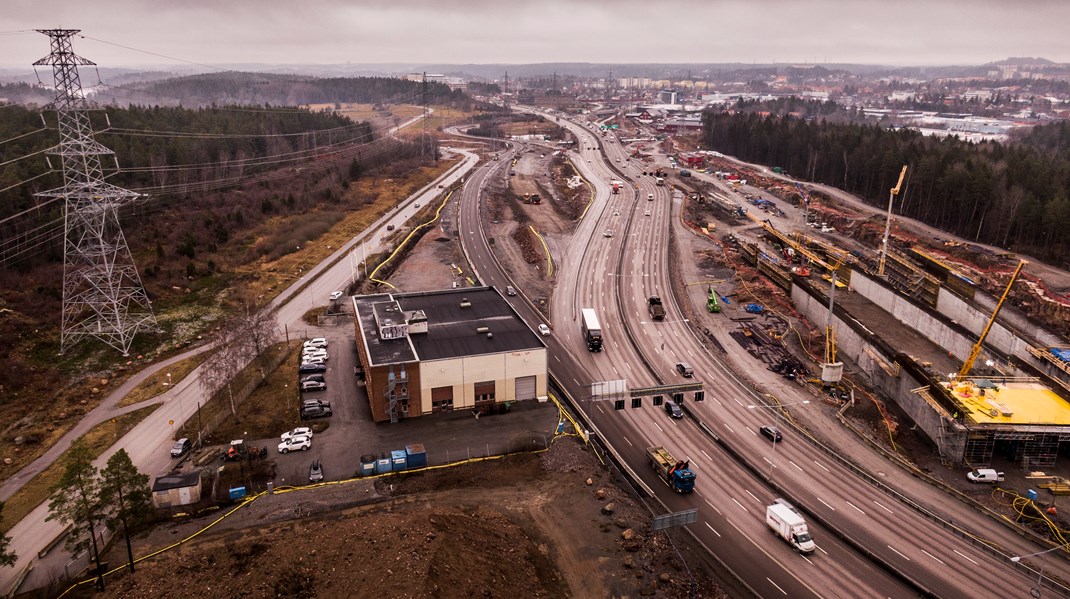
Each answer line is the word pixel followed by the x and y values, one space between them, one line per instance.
pixel 455 319
pixel 176 480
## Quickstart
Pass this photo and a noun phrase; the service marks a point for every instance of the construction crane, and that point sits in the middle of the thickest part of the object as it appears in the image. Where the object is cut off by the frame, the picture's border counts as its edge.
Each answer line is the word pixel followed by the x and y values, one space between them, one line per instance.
pixel 976 351
pixel 888 221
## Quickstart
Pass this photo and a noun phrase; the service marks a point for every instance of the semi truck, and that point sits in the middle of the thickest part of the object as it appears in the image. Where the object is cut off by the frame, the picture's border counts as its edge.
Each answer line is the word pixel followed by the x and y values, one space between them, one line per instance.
pixel 676 473
pixel 789 525
pixel 654 305
pixel 592 330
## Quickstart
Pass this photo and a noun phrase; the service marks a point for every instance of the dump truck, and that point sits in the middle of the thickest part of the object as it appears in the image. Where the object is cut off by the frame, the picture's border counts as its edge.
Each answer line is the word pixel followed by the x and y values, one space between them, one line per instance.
pixel 789 525
pixel 654 305
pixel 677 474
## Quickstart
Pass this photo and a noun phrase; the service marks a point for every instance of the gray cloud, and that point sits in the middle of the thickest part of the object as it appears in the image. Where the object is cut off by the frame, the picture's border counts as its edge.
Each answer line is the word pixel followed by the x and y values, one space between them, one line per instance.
pixel 485 31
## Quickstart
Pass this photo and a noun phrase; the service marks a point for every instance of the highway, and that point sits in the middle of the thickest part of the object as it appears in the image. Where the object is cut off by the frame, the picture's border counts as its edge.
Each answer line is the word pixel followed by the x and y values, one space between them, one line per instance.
pixel 614 275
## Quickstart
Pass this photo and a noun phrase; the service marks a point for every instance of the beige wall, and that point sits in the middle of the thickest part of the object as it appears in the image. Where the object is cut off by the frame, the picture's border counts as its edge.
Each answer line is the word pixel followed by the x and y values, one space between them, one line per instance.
pixel 463 373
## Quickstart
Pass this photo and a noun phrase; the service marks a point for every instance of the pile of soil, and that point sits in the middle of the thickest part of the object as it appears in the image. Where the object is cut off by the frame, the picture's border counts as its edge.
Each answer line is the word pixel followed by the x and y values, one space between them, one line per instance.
pixel 547 525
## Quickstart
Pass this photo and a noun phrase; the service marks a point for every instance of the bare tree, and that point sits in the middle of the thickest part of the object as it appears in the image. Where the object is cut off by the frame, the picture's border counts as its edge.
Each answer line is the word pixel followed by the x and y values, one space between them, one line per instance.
pixel 222 367
pixel 259 329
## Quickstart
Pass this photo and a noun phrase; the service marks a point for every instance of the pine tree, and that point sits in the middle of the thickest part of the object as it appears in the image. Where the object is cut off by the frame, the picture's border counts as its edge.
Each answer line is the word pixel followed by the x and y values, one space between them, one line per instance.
pixel 125 496
pixel 75 500
pixel 7 558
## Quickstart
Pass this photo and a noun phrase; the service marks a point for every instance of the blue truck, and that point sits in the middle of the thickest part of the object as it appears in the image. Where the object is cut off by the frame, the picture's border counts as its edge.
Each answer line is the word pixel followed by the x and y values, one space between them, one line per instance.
pixel 676 473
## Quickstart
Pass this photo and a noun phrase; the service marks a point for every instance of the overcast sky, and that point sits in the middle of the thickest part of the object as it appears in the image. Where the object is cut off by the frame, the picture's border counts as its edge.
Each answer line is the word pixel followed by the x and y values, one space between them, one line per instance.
pixel 895 32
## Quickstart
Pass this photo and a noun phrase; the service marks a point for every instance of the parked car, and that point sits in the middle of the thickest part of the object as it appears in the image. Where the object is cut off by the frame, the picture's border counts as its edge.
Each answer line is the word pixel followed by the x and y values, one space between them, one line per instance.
pixel 984 475
pixel 180 447
pixel 311 367
pixel 313 385
pixel 318 409
pixel 316 342
pixel 314 353
pixel 301 431
pixel 336 295
pixel 314 360
pixel 685 369
pixel 673 410
pixel 295 443
pixel 313 377
pixel 544 330
pixel 771 433
pixel 315 472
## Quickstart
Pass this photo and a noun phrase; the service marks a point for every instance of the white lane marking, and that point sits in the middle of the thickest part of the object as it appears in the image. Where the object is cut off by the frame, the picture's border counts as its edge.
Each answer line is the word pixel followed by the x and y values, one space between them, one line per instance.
pixel 628 442
pixel 600 409
pixel 713 506
pixel 740 505
pixel 577 382
pixel 557 357
pixel 717 401
pixel 882 507
pixel 934 557
pixel 966 557
pixel 855 507
pixel 659 427
pixel 738 402
pixel 753 497
pixel 821 549
pixel 755 434
pixel 796 466
pixel 826 504
pixel 897 553
pixel 729 428
pixel 822 467
pixel 775 584
pixel 808 560
pixel 713 530
pixel 706 454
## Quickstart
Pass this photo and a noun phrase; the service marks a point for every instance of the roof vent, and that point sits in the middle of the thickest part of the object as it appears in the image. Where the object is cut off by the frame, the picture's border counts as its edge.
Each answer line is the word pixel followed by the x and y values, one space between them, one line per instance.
pixel 482 330
pixel 465 303
pixel 490 335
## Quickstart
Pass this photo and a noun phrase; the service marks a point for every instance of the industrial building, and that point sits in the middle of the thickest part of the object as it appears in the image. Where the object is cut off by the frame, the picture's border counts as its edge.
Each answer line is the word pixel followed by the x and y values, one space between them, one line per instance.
pixel 457 349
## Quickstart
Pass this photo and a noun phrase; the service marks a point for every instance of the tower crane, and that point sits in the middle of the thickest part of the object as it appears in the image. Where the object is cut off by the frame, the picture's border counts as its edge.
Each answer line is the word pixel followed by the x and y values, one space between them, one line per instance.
pixel 976 350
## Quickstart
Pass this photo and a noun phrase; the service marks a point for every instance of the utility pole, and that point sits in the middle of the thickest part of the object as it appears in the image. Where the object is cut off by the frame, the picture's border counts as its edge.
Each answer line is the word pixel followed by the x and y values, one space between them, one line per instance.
pixel 102 292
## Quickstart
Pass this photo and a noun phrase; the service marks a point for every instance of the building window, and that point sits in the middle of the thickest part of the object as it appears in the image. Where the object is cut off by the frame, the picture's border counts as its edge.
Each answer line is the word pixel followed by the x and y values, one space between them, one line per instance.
pixel 441 399
pixel 484 391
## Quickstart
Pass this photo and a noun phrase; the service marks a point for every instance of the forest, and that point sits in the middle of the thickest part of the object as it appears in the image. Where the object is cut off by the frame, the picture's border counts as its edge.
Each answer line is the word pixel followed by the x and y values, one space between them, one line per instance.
pixel 1010 195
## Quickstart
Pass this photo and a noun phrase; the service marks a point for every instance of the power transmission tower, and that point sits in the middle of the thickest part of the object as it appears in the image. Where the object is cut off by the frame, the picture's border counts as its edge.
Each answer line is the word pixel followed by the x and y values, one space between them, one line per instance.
pixel 102 292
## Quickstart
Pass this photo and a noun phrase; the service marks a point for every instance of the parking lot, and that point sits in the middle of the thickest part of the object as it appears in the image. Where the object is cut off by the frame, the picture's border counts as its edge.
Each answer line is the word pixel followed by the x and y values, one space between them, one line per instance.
pixel 446 437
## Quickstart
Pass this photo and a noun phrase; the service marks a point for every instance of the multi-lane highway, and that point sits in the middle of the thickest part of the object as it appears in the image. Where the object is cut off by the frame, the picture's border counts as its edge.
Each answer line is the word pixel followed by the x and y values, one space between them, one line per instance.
pixel 867 525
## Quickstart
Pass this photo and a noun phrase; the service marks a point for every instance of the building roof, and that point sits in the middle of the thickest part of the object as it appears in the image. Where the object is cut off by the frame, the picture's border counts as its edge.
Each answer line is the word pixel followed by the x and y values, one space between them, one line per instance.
pixel 176 480
pixel 460 322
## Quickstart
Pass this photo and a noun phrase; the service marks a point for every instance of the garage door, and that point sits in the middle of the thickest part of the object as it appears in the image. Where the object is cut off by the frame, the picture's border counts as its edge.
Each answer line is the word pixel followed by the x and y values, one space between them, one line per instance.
pixel 525 387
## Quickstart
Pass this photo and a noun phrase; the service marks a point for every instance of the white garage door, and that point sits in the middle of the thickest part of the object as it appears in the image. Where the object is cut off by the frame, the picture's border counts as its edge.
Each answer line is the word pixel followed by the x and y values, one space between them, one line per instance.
pixel 525 387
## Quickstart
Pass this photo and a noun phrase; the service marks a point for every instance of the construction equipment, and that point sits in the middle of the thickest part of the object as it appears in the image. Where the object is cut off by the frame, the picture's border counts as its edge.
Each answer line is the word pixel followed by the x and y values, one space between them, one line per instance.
pixel 798 247
pixel 888 221
pixel 712 305
pixel 656 308
pixel 976 351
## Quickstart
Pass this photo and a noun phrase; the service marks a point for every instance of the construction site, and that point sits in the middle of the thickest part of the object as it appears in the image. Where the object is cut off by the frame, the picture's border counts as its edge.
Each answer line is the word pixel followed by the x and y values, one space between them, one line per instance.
pixel 966 344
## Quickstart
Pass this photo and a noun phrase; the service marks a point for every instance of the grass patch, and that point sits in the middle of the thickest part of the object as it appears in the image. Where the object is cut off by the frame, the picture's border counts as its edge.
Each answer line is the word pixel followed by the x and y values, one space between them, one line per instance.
pixel 98 439
pixel 272 408
pixel 157 383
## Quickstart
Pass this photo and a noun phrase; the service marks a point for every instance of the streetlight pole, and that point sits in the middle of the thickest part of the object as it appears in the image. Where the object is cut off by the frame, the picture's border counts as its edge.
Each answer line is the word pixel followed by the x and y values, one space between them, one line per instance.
pixel 776 426
pixel 1035 591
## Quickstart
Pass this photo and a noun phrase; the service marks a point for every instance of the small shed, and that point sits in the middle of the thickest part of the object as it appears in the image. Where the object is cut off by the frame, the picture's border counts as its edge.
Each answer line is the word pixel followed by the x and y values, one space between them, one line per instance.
pixel 176 489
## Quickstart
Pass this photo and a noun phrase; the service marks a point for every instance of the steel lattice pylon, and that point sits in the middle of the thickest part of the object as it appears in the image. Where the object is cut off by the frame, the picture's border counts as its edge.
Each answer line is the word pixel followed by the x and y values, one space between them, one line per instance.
pixel 102 292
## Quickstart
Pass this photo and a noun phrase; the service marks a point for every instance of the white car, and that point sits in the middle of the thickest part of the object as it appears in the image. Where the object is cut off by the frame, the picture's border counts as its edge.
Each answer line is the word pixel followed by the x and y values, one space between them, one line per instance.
pixel 301 431
pixel 544 330
pixel 336 295
pixel 608 233
pixel 294 443
pixel 318 355
pixel 316 342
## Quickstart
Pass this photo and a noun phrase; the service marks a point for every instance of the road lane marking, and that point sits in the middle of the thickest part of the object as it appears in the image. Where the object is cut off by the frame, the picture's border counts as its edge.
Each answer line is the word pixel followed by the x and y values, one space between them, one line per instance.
pixel 713 506
pixel 706 454
pixel 808 560
pixel 738 402
pixel 740 505
pixel 855 507
pixel 882 507
pixel 729 428
pixel 755 434
pixel 796 466
pixel 713 530
pixel 628 442
pixel 821 549
pixel 826 504
pixel 900 554
pixel 822 466
pixel 933 556
pixel 756 500
pixel 775 584
pixel 966 557
pixel 659 427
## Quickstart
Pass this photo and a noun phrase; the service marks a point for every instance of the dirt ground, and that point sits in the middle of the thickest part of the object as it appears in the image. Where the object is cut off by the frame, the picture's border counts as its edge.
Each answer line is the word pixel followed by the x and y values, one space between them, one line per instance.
pixel 549 525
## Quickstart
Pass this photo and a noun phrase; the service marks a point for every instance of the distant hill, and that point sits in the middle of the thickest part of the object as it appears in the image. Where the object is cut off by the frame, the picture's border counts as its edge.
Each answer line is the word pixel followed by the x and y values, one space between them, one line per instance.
pixel 1022 61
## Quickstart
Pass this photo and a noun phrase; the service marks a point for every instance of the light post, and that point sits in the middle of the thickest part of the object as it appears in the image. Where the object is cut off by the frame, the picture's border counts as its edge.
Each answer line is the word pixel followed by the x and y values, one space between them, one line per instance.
pixel 776 426
pixel 1035 591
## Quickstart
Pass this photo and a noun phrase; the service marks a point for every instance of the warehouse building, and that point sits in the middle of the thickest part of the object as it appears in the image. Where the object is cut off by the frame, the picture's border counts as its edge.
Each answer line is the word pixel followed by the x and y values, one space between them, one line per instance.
pixel 457 349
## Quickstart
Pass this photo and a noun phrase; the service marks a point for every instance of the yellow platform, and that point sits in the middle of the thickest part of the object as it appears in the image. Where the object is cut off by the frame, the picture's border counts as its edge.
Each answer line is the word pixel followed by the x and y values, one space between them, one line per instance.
pixel 1011 403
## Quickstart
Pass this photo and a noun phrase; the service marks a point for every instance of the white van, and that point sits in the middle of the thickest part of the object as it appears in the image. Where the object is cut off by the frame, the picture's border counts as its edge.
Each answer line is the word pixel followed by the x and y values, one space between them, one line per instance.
pixel 984 475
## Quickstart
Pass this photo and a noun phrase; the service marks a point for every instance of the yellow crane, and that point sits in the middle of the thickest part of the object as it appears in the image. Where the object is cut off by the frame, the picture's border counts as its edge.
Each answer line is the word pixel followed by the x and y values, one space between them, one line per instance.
pixel 976 351
pixel 888 221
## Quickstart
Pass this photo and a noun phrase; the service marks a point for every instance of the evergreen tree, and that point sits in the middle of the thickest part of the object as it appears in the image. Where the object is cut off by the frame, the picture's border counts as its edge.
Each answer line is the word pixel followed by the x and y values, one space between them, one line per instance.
pixel 75 500
pixel 7 557
pixel 125 496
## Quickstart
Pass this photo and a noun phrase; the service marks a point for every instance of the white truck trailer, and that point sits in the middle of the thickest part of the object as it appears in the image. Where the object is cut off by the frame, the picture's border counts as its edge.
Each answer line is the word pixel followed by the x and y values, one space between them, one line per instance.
pixel 787 524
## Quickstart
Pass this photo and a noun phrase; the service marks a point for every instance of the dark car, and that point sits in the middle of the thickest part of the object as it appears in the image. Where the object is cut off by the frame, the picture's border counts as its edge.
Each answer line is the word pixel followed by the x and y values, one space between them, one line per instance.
pixel 315 409
pixel 311 367
pixel 771 433
pixel 315 472
pixel 673 410
pixel 180 447
pixel 685 369
pixel 313 377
